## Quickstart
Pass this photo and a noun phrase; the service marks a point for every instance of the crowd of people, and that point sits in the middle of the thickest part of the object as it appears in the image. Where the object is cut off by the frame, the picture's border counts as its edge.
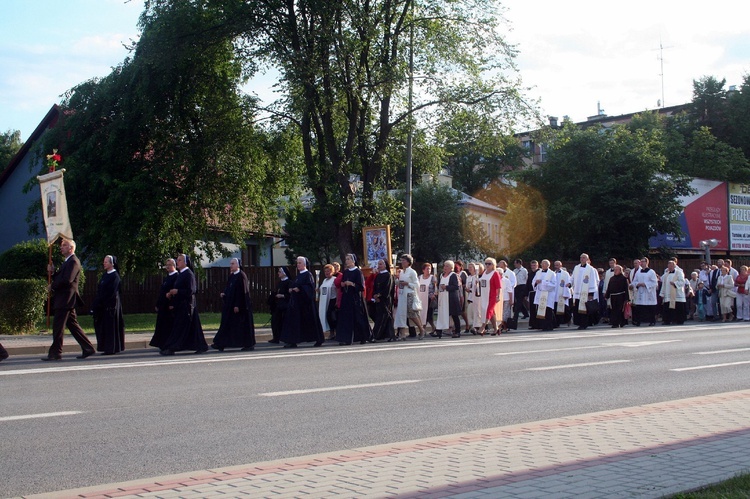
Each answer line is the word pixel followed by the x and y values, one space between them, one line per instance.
pixel 486 298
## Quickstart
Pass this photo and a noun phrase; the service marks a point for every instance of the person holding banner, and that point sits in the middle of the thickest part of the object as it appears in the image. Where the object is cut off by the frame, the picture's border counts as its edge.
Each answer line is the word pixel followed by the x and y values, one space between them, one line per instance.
pixel 584 283
pixel 545 285
pixel 65 298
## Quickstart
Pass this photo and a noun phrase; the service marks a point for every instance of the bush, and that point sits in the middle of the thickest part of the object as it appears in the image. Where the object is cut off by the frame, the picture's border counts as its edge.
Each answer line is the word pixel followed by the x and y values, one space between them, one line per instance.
pixel 28 260
pixel 22 305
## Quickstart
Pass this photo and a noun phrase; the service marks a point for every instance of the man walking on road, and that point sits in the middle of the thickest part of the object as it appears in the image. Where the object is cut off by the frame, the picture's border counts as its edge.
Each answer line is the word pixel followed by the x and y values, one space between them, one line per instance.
pixel 65 298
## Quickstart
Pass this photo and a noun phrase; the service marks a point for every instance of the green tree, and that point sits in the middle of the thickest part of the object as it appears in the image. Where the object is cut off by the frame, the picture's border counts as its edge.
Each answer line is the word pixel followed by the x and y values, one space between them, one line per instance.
pixel 607 191
pixel 441 229
pixel 476 149
pixel 738 111
pixel 344 72
pixel 163 152
pixel 709 106
pixel 10 143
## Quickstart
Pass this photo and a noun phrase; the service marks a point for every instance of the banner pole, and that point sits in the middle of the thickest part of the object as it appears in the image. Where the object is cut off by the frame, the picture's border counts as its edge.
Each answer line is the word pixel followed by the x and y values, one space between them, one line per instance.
pixel 49 283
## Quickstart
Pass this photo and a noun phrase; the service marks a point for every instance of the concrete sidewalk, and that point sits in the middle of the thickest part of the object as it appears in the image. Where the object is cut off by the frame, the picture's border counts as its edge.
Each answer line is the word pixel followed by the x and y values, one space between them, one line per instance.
pixel 28 344
pixel 643 451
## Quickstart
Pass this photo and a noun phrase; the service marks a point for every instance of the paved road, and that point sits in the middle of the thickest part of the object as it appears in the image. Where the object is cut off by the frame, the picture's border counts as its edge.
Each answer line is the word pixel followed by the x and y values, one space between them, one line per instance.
pixel 141 415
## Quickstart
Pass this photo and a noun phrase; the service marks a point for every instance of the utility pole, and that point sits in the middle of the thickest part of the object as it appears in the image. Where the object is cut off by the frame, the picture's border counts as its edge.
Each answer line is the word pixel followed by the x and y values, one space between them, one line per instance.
pixel 407 223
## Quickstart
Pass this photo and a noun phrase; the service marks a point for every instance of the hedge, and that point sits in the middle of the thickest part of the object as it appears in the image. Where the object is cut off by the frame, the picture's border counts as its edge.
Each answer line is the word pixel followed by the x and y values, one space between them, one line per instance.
pixel 22 305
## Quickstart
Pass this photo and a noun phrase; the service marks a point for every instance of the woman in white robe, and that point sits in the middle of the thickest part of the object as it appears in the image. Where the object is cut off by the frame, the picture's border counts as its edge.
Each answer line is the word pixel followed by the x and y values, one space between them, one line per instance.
pixel 408 283
pixel 326 296
pixel 478 317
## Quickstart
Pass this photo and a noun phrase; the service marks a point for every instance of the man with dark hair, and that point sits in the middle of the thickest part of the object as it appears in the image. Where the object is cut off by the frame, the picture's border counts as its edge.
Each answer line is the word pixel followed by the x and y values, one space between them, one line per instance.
pixel 65 298
pixel 521 291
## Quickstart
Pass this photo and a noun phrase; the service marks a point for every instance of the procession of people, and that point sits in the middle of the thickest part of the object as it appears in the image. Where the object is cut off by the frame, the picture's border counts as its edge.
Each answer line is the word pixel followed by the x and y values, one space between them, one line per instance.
pixel 394 304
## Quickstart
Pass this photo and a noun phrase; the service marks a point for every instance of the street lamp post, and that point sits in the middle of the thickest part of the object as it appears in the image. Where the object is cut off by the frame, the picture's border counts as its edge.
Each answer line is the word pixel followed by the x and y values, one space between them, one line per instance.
pixel 707 245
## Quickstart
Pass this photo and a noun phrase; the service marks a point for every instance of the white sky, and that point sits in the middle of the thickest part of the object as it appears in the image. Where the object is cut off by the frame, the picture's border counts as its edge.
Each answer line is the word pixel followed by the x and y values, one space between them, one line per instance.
pixel 572 54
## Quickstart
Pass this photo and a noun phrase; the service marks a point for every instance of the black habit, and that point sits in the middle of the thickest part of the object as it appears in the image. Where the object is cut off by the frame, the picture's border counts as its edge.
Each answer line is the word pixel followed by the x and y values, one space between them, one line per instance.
pixel 617 293
pixel 383 295
pixel 107 312
pixel 187 332
pixel 279 306
pixel 352 323
pixel 164 314
pixel 301 322
pixel 236 329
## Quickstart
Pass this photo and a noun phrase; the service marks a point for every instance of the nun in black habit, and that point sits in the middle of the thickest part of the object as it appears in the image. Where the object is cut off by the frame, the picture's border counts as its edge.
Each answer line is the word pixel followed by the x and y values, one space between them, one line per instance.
pixel 107 310
pixel 278 302
pixel 352 324
pixel 236 329
pixel 164 308
pixel 301 322
pixel 383 294
pixel 187 332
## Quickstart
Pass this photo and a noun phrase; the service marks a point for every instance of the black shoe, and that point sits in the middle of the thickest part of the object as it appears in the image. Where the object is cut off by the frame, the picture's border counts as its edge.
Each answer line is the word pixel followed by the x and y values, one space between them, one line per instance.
pixel 652 324
pixel 86 353
pixel 166 351
pixel 581 327
pixel 108 353
pixel 434 334
pixel 198 352
pixel 274 341
pixel 290 345
pixel 247 349
pixel 51 358
pixel 3 356
pixel 318 344
pixel 221 349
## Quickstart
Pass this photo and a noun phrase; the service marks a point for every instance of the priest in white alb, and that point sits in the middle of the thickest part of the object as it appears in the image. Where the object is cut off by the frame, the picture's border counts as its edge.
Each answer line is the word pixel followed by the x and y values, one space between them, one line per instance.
pixel 584 285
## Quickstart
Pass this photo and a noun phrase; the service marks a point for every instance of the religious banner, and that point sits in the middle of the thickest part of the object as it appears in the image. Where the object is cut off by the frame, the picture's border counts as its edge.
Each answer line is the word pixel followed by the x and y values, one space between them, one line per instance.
pixel 704 217
pixel 739 216
pixel 376 244
pixel 55 206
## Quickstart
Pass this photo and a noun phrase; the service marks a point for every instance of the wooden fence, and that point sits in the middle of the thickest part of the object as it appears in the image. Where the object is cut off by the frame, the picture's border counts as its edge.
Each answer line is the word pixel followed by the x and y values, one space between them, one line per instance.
pixel 139 296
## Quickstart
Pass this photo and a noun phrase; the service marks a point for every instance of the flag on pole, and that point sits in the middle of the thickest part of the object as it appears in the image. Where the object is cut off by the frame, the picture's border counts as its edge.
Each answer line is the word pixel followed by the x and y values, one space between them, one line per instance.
pixel 55 206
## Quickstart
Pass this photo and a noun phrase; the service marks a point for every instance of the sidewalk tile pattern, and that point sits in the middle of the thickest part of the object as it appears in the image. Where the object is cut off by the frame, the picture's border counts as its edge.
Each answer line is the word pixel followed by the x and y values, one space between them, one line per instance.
pixel 643 451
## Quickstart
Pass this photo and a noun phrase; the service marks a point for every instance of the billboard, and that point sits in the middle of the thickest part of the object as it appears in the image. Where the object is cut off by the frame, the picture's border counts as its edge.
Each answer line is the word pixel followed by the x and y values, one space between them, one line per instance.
pixel 739 216
pixel 704 216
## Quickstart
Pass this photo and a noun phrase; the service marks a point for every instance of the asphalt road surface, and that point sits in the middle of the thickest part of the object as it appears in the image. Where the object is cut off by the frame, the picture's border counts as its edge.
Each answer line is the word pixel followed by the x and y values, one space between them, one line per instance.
pixel 104 419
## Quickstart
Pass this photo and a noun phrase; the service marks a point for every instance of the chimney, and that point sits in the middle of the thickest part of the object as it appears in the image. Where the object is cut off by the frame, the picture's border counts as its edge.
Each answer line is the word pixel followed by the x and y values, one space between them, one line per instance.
pixel 553 121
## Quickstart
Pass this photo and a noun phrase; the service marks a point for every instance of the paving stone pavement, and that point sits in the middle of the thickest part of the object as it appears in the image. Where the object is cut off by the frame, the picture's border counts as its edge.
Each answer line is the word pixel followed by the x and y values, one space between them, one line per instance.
pixel 644 451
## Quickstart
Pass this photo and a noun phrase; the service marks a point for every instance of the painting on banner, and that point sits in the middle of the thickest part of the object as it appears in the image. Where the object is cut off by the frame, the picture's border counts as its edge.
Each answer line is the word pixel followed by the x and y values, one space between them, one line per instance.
pixel 704 216
pixel 55 206
pixel 739 216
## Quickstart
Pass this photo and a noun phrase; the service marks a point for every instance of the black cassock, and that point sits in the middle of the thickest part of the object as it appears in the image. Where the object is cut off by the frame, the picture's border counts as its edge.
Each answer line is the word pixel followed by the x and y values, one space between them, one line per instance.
pixel 164 315
pixel 278 308
pixel 383 292
pixel 351 321
pixel 236 329
pixel 187 332
pixel 301 322
pixel 107 311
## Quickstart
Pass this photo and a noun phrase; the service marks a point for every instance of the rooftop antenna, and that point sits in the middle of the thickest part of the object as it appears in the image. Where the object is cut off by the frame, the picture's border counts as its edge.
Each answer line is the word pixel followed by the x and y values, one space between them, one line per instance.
pixel 661 75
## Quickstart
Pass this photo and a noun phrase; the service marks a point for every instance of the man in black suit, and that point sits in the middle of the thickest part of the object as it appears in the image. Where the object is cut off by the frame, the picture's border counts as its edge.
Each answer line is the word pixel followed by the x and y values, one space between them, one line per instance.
pixel 65 297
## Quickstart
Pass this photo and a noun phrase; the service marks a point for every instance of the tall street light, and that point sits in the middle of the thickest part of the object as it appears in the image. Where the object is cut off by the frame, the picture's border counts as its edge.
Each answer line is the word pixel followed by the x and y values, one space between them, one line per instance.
pixel 707 245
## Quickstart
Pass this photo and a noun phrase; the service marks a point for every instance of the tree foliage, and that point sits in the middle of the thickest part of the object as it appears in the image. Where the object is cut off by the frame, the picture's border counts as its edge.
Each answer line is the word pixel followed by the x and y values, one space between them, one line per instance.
pixel 163 153
pixel 343 73
pixel 607 192
pixel 10 143
pixel 442 229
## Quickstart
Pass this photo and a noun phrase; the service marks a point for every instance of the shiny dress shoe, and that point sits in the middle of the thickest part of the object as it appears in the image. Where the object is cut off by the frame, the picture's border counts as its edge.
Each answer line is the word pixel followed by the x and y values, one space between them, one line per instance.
pixel 85 354
pixel 166 351
pixel 247 349
pixel 51 358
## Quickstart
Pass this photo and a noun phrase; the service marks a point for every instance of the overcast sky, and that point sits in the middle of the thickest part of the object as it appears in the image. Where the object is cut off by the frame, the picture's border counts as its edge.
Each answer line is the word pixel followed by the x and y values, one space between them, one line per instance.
pixel 572 54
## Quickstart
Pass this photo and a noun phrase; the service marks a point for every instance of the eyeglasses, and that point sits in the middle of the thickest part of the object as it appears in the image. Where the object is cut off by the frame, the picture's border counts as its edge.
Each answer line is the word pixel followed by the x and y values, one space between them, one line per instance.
pixel 488 263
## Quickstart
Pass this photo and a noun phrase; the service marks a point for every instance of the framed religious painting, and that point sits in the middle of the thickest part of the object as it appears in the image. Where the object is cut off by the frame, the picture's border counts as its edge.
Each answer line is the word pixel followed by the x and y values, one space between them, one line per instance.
pixel 376 244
